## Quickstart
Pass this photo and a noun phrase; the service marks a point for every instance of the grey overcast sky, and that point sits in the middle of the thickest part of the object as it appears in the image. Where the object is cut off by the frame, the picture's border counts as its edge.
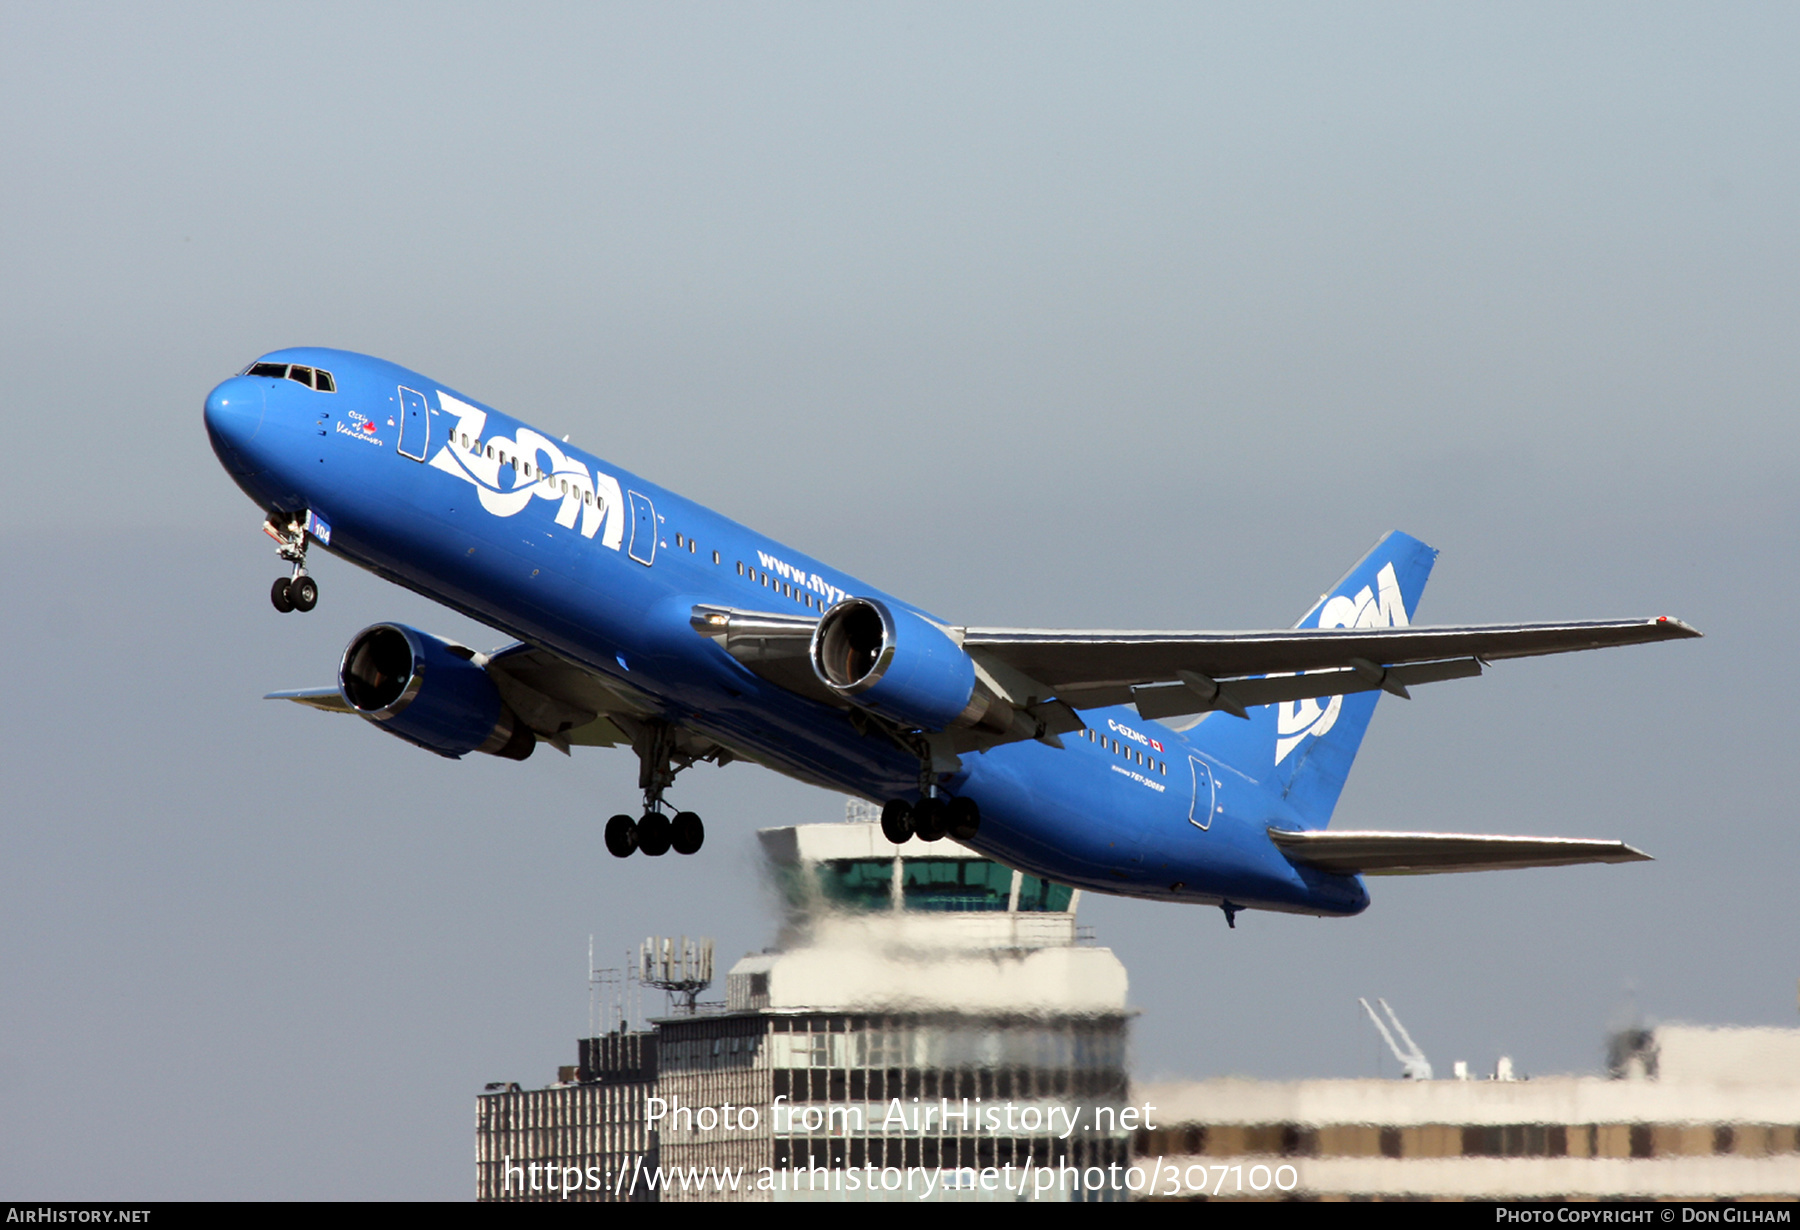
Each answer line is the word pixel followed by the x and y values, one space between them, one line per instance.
pixel 1139 316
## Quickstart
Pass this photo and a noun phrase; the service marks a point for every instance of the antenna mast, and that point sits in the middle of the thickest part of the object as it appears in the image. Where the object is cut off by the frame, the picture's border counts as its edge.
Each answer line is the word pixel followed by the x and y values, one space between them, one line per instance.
pixel 681 968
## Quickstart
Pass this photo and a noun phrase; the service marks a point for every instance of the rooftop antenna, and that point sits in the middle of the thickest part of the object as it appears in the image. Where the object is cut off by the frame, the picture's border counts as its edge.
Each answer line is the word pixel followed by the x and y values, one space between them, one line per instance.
pixel 1413 1064
pixel 681 968
pixel 609 1006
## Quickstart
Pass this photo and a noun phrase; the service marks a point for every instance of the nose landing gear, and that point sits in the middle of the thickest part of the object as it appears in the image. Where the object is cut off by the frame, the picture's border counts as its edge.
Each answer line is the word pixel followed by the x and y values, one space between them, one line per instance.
pixel 298 592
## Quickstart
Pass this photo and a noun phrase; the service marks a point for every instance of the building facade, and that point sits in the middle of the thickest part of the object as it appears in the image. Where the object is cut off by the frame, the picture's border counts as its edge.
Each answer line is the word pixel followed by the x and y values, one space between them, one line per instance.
pixel 929 1024
pixel 1687 1113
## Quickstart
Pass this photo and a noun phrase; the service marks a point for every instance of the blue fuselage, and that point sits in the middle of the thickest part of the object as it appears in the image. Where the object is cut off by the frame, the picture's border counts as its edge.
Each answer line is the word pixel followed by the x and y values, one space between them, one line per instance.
pixel 561 550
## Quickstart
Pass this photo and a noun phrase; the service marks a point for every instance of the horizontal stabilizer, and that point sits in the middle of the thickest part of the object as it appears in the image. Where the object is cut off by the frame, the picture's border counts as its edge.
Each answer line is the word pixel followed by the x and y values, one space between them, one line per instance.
pixel 1392 854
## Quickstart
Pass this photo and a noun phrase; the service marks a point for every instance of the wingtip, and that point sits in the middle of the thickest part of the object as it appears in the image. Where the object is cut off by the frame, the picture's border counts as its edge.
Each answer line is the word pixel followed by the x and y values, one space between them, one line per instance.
pixel 1678 627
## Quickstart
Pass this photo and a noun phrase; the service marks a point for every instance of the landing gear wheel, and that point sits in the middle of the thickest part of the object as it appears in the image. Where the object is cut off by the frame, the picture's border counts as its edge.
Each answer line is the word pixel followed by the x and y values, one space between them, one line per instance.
pixel 303 592
pixel 653 833
pixel 621 836
pixel 278 594
pixel 896 821
pixel 930 820
pixel 963 818
pixel 686 833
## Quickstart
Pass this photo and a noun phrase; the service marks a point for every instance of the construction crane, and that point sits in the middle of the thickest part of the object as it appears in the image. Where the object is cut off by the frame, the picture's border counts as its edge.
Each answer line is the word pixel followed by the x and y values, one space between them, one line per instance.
pixel 1413 1064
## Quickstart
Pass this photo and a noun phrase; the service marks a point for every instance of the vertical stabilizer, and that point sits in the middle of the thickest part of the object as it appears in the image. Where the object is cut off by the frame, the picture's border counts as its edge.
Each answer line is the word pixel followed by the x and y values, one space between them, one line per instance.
pixel 1304 748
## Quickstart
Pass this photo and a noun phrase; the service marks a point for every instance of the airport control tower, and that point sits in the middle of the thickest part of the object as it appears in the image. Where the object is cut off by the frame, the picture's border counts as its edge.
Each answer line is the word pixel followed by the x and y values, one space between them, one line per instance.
pixel 904 980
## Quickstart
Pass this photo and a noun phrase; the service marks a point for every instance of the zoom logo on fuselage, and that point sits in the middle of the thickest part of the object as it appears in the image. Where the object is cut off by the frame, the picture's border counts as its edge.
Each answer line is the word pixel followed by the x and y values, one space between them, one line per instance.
pixel 1381 607
pixel 533 468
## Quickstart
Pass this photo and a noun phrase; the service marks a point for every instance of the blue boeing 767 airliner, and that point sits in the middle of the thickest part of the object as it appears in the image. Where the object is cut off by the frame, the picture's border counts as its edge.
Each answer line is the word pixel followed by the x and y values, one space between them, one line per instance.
pixel 1178 766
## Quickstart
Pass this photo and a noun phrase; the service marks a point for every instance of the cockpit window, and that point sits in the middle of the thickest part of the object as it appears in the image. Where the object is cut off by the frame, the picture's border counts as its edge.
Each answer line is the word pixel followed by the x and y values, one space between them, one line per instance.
pixel 311 377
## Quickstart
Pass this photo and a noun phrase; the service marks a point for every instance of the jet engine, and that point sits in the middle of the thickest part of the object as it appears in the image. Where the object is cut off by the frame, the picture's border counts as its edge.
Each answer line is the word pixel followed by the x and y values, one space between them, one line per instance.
pixel 901 666
pixel 429 692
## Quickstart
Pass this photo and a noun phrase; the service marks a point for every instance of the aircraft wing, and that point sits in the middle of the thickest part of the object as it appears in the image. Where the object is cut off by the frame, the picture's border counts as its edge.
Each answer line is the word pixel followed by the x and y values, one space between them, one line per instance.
pixel 561 702
pixel 1393 854
pixel 1170 673
pixel 565 704
pixel 1166 674
pixel 329 700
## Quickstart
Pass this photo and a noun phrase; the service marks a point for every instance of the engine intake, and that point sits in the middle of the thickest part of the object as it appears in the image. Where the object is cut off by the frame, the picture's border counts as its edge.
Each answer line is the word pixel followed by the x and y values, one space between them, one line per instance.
pixel 902 666
pixel 429 692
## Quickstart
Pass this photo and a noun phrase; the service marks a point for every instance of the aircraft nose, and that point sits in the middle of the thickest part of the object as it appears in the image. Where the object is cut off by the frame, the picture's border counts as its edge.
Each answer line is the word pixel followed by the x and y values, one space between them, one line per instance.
pixel 234 414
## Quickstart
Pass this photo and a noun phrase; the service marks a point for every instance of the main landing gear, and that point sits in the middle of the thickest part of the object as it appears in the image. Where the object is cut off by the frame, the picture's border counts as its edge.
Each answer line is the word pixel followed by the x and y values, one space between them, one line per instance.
pixel 655 833
pixel 932 818
pixel 935 816
pixel 297 592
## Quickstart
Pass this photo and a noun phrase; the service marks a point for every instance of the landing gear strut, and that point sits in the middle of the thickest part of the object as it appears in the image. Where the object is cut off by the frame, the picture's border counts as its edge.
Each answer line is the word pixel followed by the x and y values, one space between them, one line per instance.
pixel 655 833
pixel 297 592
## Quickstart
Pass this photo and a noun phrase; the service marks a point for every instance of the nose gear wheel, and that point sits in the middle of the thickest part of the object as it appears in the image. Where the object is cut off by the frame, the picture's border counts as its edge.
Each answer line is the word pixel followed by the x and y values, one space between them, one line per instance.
pixel 297 592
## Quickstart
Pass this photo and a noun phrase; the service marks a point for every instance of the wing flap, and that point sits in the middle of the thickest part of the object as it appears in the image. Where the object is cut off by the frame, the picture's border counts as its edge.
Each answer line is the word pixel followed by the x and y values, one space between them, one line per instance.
pixel 564 703
pixel 1176 699
pixel 1379 854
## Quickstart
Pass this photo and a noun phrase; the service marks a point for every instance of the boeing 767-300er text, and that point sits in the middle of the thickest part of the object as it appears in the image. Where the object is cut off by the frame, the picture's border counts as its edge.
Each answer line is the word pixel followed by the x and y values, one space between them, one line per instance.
pixel 1178 766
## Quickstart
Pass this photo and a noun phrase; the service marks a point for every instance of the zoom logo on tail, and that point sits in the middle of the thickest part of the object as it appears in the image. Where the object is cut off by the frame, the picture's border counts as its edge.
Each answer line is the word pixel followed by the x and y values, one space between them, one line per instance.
pixel 1380 607
pixel 539 470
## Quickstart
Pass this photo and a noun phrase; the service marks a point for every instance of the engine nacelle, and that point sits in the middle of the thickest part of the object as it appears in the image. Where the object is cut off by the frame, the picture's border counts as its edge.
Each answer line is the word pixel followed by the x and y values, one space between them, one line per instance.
pixel 429 692
pixel 901 666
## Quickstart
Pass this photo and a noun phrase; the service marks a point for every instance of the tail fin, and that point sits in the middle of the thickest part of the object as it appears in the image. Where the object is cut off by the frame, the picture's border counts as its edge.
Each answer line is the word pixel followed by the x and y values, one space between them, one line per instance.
pixel 1304 748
